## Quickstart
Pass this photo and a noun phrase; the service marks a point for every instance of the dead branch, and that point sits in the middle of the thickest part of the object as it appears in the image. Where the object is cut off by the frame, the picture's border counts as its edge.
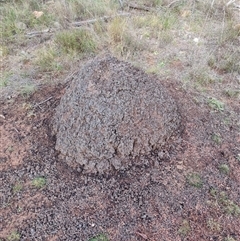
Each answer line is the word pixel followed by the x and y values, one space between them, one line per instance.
pixel 171 3
pixel 42 102
pixel 134 6
pixel 104 19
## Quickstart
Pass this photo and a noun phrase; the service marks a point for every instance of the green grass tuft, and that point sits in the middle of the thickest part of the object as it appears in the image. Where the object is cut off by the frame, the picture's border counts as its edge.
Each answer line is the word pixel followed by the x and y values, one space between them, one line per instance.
pixel 76 41
pixel 224 168
pixel 195 180
pixel 13 236
pixel 100 237
pixel 39 182
pixel 216 104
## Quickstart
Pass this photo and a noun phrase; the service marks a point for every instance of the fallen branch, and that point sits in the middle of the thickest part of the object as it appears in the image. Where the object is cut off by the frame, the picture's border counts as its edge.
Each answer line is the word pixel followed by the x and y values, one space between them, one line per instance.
pixel 104 18
pixel 38 32
pixel 134 6
pixel 171 3
pixel 40 103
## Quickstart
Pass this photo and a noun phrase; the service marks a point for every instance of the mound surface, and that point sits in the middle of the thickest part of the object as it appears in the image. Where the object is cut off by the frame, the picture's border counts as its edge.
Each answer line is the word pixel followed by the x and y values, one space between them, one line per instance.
pixel 111 113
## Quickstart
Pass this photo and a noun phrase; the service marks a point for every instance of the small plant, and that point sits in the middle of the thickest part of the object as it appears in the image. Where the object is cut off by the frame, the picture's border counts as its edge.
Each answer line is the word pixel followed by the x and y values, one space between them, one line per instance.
pixel 216 138
pixel 76 41
pixel 4 78
pixel 213 225
pixel 224 168
pixel 216 104
pixel 117 29
pixel 46 59
pixel 13 236
pixel 10 149
pixel 17 188
pixel 184 228
pixel 232 93
pixel 229 238
pixel 194 180
pixel 100 237
pixel 228 205
pixel 28 90
pixel 39 182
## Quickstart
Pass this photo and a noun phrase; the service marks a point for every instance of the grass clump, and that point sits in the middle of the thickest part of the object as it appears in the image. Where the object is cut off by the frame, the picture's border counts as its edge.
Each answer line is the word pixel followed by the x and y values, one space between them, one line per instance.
pixel 5 75
pixel 216 104
pixel 18 16
pixel 213 225
pixel 224 168
pixel 194 180
pixel 184 228
pixel 229 238
pixel 100 237
pixel 217 138
pixel 122 38
pixel 28 90
pixel 39 182
pixel 13 236
pixel 47 59
pixel 228 205
pixel 231 93
pixel 76 41
pixel 17 188
pixel 222 200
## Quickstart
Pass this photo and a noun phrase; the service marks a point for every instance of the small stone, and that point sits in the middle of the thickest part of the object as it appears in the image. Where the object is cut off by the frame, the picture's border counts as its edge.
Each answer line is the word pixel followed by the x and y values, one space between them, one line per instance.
pixel 116 163
pixel 102 166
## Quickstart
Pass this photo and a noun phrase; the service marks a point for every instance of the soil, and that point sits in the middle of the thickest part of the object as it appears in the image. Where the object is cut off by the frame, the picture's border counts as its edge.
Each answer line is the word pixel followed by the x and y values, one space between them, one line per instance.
pixel 155 199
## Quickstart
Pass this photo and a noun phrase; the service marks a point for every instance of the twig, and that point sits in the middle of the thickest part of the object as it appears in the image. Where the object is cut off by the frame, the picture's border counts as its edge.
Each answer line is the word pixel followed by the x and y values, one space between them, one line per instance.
pixel 134 6
pixel 16 130
pixel 38 104
pixel 171 3
pixel 230 2
pixel 144 236
pixel 121 3
pixel 104 18
pixel 31 34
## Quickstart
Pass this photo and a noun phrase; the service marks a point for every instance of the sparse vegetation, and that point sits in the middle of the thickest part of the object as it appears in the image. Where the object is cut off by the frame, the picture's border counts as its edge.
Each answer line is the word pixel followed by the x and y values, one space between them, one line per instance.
pixel 232 93
pixel 195 180
pixel 184 228
pixel 13 236
pixel 216 104
pixel 229 238
pixel 213 225
pixel 47 59
pixel 17 188
pixel 228 206
pixel 5 78
pixel 39 182
pixel 216 138
pixel 76 41
pixel 28 90
pixel 100 237
pixel 224 168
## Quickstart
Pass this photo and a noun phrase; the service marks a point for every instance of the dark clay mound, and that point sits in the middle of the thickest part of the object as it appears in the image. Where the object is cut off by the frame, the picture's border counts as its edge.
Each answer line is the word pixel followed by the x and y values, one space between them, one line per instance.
pixel 111 113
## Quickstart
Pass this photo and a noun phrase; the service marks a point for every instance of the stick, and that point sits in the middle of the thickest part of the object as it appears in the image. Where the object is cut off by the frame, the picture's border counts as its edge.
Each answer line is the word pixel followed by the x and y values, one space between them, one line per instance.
pixel 134 6
pixel 171 3
pixel 38 104
pixel 38 32
pixel 104 18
